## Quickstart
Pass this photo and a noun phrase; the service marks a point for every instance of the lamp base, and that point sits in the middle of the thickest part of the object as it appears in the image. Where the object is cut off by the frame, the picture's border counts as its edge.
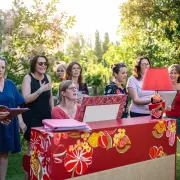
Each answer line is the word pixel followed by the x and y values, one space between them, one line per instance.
pixel 157 110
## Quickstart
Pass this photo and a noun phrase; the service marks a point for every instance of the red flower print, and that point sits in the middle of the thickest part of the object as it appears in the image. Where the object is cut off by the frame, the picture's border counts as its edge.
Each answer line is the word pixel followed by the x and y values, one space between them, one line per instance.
pixel 78 158
pixel 156 152
pixel 123 141
pixel 103 141
pixel 45 177
pixel 35 141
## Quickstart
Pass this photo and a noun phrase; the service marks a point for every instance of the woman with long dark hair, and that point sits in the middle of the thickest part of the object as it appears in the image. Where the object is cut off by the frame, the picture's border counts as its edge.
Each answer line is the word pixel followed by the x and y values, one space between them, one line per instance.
pixel 74 73
pixel 140 98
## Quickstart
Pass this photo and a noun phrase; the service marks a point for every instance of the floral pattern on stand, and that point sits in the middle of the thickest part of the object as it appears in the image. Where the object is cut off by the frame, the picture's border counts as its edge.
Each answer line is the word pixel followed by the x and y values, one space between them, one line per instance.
pixel 168 127
pixel 76 157
pixel 156 152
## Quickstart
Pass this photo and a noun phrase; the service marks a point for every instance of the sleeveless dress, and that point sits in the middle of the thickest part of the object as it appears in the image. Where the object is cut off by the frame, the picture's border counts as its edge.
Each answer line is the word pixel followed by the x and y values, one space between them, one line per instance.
pixel 39 109
pixel 9 135
pixel 113 89
pixel 175 110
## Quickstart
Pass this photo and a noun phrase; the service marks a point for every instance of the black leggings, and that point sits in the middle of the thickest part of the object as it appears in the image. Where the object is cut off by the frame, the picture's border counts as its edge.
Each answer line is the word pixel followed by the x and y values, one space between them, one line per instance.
pixel 133 114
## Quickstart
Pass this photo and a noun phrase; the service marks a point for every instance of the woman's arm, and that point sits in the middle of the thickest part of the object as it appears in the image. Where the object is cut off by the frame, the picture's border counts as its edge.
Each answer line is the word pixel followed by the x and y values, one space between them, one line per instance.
pixel 136 99
pixel 26 90
pixel 51 100
pixel 22 125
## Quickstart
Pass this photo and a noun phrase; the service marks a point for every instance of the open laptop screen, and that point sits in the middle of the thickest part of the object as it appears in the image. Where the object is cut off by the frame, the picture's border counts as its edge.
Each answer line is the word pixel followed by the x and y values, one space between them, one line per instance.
pixel 100 108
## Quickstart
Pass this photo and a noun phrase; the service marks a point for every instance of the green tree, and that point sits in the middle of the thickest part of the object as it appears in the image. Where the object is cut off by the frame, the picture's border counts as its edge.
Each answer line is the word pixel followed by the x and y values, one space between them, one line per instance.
pixel 105 42
pixel 37 30
pixel 98 47
pixel 152 28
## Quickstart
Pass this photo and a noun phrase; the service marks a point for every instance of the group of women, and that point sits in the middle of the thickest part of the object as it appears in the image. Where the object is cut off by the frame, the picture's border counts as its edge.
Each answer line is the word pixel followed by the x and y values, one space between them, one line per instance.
pixel 37 96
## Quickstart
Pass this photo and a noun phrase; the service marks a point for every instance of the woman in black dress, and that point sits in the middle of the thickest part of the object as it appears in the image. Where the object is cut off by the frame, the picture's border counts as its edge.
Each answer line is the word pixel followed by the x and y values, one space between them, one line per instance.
pixel 119 72
pixel 37 92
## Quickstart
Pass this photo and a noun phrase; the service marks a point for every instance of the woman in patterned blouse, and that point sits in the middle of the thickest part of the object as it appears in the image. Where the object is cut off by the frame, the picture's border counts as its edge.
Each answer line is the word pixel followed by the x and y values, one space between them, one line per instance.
pixel 119 72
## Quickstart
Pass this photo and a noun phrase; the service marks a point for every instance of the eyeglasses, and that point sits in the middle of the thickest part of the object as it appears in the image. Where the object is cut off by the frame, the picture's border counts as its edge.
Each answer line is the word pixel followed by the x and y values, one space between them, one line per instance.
pixel 72 88
pixel 42 63
pixel 145 64
pixel 78 68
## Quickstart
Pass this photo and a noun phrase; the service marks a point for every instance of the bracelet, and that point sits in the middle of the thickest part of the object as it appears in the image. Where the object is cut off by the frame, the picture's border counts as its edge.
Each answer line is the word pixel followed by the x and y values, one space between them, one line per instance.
pixel 39 92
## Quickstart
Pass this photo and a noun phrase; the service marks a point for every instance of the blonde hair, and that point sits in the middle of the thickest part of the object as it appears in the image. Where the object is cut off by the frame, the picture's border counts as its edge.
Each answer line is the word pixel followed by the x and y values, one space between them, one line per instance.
pixel 63 65
pixel 62 87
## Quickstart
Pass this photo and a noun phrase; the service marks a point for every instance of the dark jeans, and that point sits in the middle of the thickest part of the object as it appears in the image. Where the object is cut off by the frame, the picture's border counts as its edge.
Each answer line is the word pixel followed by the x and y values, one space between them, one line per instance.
pixel 133 114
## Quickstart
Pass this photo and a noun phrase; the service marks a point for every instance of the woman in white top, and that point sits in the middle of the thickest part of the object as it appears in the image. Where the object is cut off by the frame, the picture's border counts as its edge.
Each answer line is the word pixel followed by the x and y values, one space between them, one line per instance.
pixel 140 98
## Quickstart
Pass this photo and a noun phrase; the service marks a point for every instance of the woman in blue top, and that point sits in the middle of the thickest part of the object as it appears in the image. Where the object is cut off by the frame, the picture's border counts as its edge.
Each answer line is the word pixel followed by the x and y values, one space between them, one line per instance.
pixel 119 72
pixel 9 133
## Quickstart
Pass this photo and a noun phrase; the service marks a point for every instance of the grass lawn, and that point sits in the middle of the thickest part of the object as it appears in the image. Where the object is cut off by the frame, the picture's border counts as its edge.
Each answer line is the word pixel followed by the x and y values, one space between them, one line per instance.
pixel 15 171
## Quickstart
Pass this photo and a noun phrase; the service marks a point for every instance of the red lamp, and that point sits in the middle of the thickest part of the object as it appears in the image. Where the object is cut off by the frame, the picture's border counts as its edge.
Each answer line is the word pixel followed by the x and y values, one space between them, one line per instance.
pixel 157 79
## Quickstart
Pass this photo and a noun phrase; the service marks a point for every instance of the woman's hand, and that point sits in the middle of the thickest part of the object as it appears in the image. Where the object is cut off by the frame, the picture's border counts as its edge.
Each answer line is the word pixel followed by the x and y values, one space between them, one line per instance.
pixel 45 87
pixel 3 115
pixel 22 127
pixel 168 108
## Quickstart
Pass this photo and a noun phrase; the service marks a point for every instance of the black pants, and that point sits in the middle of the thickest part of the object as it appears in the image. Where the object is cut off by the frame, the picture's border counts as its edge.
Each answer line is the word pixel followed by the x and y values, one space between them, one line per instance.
pixel 133 114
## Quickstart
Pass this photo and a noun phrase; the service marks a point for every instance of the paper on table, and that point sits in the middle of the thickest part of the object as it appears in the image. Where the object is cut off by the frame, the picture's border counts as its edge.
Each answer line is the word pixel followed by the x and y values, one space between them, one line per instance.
pixel 168 96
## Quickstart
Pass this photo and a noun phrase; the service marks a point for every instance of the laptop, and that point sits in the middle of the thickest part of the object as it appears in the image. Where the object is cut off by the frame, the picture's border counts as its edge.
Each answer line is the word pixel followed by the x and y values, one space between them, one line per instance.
pixel 101 108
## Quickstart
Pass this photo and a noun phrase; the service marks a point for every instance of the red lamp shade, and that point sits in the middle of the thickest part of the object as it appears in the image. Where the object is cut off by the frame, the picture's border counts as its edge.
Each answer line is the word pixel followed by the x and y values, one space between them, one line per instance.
pixel 157 79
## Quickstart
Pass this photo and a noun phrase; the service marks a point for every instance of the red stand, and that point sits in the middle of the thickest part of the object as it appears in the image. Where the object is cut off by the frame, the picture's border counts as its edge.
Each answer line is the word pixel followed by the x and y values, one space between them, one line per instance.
pixel 142 148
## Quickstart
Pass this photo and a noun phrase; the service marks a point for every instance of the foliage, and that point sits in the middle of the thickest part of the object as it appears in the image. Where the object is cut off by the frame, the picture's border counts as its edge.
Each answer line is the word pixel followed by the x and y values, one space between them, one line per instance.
pixel 150 28
pixel 105 43
pixel 97 46
pixel 25 32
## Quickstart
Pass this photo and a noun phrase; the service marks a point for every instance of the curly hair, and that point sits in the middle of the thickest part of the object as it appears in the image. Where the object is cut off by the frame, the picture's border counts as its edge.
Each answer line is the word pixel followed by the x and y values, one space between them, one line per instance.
pixel 116 67
pixel 137 67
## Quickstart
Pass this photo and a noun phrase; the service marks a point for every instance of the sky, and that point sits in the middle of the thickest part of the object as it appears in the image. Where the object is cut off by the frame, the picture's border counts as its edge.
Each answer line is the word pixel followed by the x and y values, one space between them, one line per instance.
pixel 91 15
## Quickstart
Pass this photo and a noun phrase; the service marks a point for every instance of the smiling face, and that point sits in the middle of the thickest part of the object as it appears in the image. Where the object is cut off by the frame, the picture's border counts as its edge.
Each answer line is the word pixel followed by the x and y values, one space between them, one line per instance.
pixel 76 70
pixel 122 75
pixel 71 92
pixel 2 68
pixel 61 71
pixel 174 75
pixel 144 64
pixel 41 65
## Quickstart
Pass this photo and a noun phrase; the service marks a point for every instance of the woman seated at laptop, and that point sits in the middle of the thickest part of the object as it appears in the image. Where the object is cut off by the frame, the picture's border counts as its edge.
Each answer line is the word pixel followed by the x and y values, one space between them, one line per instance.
pixel 68 108
pixel 119 72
